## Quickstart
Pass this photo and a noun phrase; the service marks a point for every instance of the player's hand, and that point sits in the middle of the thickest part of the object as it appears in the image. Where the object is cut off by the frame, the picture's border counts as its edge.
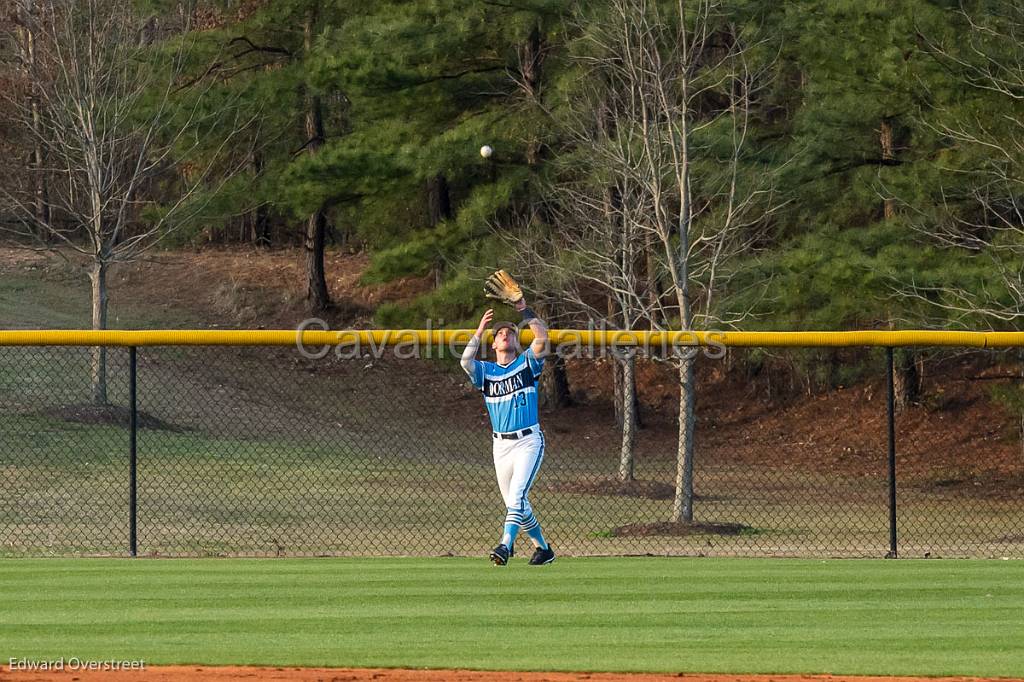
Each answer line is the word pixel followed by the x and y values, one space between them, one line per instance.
pixel 485 321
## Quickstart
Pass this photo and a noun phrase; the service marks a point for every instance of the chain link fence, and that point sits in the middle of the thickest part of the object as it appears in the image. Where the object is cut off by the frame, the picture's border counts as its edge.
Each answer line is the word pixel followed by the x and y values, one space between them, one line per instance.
pixel 257 451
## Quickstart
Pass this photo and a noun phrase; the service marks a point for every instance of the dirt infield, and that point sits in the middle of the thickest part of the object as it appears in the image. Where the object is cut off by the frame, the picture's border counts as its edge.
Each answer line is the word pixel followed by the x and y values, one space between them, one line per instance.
pixel 259 674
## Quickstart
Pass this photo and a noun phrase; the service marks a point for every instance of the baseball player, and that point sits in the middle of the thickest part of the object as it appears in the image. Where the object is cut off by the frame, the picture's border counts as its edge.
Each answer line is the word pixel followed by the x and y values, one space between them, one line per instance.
pixel 510 394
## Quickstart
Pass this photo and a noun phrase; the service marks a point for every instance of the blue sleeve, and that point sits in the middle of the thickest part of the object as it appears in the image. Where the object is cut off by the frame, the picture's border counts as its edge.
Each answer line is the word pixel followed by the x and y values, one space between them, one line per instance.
pixel 536 364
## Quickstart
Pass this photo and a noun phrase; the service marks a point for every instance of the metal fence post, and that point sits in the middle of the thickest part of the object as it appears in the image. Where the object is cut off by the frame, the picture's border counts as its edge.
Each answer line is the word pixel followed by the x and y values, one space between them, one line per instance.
pixel 891 406
pixel 132 443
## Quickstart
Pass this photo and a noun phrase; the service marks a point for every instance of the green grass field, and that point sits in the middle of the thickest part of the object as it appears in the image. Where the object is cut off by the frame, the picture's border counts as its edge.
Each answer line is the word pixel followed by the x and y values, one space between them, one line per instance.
pixel 951 617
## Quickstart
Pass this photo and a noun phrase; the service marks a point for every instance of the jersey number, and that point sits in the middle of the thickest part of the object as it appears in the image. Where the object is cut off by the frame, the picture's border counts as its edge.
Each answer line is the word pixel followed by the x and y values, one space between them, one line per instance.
pixel 519 400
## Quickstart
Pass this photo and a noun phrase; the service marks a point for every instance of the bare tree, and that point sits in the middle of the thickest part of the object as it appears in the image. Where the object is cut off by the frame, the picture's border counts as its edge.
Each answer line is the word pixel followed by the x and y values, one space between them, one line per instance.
pixel 107 110
pixel 653 193
pixel 20 16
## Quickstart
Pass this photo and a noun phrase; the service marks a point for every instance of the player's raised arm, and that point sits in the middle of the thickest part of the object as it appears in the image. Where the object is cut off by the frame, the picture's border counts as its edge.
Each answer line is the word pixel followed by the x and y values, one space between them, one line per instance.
pixel 484 322
pixel 468 360
pixel 540 345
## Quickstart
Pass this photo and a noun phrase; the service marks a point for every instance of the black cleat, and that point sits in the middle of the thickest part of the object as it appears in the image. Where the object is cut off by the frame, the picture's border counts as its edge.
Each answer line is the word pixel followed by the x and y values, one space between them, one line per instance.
pixel 542 556
pixel 500 555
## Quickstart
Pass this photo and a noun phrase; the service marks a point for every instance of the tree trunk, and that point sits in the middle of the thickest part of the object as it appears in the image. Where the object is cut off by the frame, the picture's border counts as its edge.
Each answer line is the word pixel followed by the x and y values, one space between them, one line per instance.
pixel 682 505
pixel 888 155
pixel 617 384
pixel 41 199
pixel 531 60
pixel 42 192
pixel 316 225
pixel 906 379
pixel 439 209
pixel 554 381
pixel 627 450
pixel 261 226
pixel 439 203
pixel 653 292
pixel 554 384
pixel 260 215
pixel 98 277
pixel 1020 386
pixel 1022 437
pixel 623 386
pixel 315 233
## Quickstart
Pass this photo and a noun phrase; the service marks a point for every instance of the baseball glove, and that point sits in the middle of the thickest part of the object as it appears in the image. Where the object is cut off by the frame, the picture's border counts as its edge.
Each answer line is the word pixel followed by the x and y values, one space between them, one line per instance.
pixel 501 286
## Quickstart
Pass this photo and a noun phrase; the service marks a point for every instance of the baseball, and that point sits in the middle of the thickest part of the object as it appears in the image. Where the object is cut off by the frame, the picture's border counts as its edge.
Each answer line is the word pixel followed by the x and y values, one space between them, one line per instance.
pixel 486 151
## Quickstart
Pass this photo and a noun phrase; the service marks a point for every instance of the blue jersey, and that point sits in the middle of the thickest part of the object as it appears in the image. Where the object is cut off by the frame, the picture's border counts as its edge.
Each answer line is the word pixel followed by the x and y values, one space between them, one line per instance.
pixel 510 391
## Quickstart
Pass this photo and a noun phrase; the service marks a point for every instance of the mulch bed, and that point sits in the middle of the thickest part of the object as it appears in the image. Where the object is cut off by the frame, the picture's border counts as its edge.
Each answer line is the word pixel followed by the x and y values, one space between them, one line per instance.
pixel 676 529
pixel 648 490
pixel 110 415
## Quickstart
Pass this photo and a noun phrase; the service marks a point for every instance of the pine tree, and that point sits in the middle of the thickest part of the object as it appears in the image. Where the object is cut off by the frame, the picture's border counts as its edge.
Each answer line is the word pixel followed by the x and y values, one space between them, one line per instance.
pixel 431 83
pixel 275 57
pixel 855 96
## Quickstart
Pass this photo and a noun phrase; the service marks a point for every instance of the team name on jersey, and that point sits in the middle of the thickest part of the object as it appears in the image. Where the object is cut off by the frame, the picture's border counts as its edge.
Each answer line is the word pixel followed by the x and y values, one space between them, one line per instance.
pixel 502 387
